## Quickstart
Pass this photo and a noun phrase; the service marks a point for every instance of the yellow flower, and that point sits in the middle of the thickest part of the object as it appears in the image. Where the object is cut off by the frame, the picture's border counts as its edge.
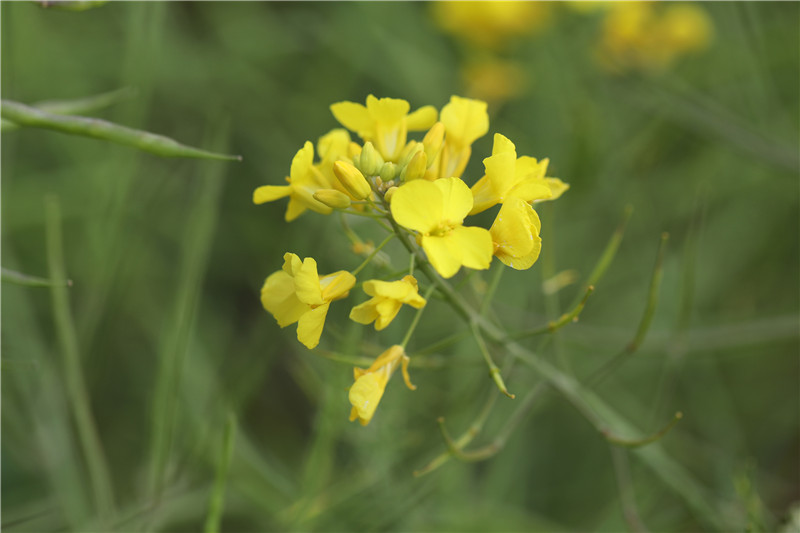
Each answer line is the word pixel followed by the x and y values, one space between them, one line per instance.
pixel 515 234
pixel 436 209
pixel 494 80
pixel 509 177
pixel 387 299
pixel 385 122
pixel 367 391
pixel 297 294
pixel 465 120
pixel 305 178
pixel 637 35
pixel 490 24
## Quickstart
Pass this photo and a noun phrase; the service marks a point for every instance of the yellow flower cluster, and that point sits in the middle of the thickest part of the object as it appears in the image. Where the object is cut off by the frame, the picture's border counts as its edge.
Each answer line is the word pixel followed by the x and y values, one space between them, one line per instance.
pixel 641 35
pixel 415 189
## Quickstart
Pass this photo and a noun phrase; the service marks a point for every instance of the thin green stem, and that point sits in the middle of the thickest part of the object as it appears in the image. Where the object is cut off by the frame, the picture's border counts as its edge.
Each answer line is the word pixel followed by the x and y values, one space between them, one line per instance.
pixel 625 486
pixel 78 395
pixel 493 284
pixel 417 316
pixel 101 129
pixel 494 371
pixel 372 254
pixel 566 318
pixel 217 501
pixel 644 324
pixel 411 264
pixel 18 278
pixel 635 443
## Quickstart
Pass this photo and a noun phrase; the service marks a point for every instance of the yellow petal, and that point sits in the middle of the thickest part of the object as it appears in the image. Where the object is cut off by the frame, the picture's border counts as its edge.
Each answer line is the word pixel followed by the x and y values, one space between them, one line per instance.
pixel 501 173
pixel 354 117
pixel 268 193
pixel 294 209
pixel 483 196
pixel 465 120
pixel 366 394
pixel 515 233
pixel 278 297
pixel 529 191
pixel 421 119
pixel 302 161
pixel 337 285
pixel 444 256
pixel 387 110
pixel 387 310
pixel 417 205
pixel 475 245
pixel 306 282
pixel 364 313
pixel 309 327
pixel 503 144
pixel 456 199
pixel 291 263
pixel 333 145
pixel 557 187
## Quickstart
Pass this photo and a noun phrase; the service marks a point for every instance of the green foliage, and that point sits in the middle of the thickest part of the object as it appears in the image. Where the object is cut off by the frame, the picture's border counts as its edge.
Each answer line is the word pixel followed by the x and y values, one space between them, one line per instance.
pixel 155 393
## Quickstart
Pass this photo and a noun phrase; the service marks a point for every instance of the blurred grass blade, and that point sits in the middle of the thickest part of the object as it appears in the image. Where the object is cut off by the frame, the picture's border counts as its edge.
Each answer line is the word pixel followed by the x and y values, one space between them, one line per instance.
pixel 76 387
pixel 101 129
pixel 75 107
pixel 72 5
pixel 200 226
pixel 18 278
pixel 214 517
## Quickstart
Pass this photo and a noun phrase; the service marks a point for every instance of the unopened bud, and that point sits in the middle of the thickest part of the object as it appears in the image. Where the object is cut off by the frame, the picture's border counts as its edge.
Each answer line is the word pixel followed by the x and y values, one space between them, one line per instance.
pixel 332 198
pixel 408 152
pixel 415 169
pixel 388 195
pixel 433 141
pixel 370 160
pixel 388 171
pixel 351 179
pixel 353 149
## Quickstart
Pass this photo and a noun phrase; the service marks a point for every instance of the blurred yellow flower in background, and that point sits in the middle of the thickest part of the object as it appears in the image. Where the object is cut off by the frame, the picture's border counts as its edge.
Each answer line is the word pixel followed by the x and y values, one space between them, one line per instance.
pixel 367 391
pixel 641 35
pixel 490 24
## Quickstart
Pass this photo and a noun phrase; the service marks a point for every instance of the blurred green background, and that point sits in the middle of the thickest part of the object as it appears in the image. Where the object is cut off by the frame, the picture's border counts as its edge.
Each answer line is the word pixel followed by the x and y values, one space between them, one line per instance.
pixel 167 257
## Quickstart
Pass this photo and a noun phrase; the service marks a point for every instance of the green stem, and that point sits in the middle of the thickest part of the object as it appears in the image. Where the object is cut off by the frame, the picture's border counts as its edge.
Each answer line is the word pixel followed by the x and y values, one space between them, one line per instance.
pixel 494 371
pixel 94 455
pixel 372 254
pixel 635 443
pixel 566 318
pixel 102 129
pixel 216 504
pixel 487 299
pixel 417 316
pixel 18 278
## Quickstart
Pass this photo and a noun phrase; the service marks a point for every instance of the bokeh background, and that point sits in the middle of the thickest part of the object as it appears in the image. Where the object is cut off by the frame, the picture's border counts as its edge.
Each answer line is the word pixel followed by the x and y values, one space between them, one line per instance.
pixel 167 257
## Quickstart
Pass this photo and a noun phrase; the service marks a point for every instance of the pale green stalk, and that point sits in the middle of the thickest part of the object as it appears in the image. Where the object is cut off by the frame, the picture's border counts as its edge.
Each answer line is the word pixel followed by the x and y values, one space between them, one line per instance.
pixel 216 504
pixel 18 278
pixel 32 117
pixel 94 456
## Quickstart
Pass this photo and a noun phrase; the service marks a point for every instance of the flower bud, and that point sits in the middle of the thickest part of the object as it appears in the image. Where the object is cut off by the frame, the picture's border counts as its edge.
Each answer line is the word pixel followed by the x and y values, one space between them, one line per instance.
pixel 408 152
pixel 351 179
pixel 388 194
pixel 433 141
pixel 370 160
pixel 388 171
pixel 415 169
pixel 332 198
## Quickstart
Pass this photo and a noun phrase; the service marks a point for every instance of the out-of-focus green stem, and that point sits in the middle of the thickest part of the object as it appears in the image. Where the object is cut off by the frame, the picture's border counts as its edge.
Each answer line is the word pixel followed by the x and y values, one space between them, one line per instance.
pixel 18 278
pixel 75 107
pixel 566 318
pixel 217 501
pixel 635 443
pixel 102 129
pixel 372 254
pixel 99 476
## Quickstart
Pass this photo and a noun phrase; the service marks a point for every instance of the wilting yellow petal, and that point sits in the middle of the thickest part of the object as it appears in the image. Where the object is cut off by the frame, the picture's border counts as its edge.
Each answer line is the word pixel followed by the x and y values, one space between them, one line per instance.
pixel 366 394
